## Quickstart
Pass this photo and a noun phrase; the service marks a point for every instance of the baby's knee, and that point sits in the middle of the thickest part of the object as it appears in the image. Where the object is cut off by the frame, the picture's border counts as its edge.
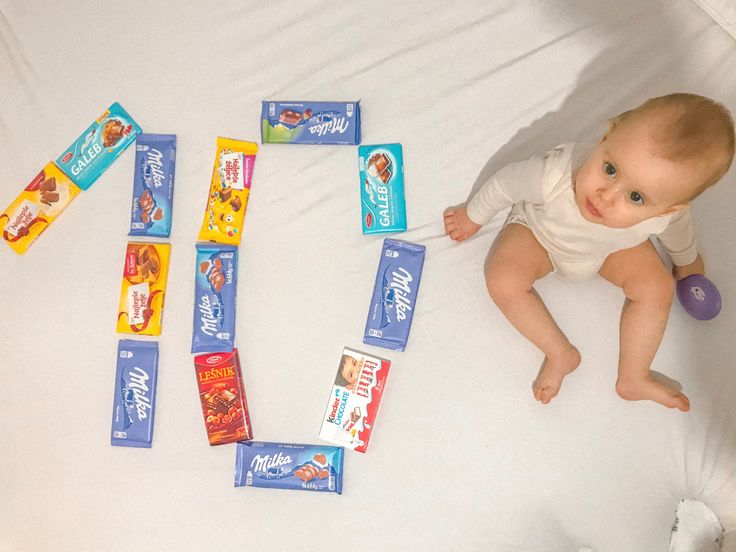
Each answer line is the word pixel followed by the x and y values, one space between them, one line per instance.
pixel 656 287
pixel 503 284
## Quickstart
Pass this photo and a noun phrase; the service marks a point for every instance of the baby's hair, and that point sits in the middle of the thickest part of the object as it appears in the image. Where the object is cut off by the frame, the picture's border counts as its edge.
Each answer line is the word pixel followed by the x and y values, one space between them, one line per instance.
pixel 339 379
pixel 697 126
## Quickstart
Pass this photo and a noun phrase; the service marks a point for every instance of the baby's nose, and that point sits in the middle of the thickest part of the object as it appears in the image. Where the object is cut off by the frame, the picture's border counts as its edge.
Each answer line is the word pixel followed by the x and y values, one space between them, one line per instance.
pixel 608 194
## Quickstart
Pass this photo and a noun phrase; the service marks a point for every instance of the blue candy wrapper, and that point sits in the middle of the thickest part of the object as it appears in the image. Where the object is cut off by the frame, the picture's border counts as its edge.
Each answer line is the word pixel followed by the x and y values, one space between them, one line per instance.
pixel 153 185
pixel 285 466
pixel 135 393
pixel 97 148
pixel 394 294
pixel 382 188
pixel 310 122
pixel 215 288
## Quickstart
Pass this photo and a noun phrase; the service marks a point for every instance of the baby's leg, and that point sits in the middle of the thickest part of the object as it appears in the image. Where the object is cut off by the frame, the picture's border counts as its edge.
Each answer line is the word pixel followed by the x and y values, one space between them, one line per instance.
pixel 648 287
pixel 514 263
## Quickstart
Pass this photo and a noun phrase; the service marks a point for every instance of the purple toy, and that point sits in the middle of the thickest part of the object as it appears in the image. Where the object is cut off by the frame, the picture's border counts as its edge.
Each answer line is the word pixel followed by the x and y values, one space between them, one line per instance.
pixel 699 297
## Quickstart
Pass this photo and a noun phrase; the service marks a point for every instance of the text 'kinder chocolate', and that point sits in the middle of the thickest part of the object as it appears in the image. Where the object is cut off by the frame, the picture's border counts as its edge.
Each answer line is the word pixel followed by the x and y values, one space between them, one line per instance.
pixel 222 394
pixel 142 291
pixel 36 207
pixel 353 403
pixel 289 466
pixel 229 191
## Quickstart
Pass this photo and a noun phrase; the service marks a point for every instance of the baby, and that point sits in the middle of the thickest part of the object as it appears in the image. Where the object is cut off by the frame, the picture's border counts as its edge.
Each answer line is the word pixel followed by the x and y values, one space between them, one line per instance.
pixel 349 371
pixel 577 213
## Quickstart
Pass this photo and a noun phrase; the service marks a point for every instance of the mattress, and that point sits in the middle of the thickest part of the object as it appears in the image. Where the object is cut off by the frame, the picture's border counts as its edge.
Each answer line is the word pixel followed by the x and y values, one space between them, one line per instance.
pixel 461 457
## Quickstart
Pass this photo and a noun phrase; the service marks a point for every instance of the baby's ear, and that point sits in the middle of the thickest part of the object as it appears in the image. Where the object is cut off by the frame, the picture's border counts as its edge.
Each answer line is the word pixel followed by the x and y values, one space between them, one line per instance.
pixel 674 209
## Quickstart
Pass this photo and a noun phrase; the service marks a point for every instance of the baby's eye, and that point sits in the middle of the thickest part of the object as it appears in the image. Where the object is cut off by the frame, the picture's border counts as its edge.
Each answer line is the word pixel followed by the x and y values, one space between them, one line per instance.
pixel 609 169
pixel 636 197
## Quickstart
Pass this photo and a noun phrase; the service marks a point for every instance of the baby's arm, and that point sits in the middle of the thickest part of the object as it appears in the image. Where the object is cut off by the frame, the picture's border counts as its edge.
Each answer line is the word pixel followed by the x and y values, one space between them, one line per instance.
pixel 678 239
pixel 515 182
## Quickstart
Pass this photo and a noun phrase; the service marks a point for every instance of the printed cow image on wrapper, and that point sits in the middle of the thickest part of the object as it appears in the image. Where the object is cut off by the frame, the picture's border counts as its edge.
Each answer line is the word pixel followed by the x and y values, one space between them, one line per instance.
pixel 289 466
pixel 394 294
pixel 222 394
pixel 229 191
pixel 215 285
pixel 153 185
pixel 36 207
pixel 310 123
pixel 97 148
pixel 135 393
pixel 144 285
pixel 353 403
pixel 382 188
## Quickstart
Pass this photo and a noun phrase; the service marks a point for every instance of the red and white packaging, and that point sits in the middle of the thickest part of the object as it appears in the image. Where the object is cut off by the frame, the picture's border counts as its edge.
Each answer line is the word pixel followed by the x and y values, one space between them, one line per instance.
pixel 222 395
pixel 354 399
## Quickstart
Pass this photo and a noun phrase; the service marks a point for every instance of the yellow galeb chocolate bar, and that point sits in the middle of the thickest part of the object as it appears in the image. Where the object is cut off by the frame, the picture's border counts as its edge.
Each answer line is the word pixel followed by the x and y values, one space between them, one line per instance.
pixel 36 207
pixel 144 284
pixel 229 191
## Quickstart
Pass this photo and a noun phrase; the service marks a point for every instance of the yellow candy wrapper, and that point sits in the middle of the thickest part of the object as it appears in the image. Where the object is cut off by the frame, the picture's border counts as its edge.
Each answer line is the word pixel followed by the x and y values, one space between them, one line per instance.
pixel 144 284
pixel 36 207
pixel 229 191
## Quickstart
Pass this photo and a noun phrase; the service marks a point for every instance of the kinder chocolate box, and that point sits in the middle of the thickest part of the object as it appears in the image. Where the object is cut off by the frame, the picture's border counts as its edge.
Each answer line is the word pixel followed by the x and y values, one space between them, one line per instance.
pixel 142 291
pixel 354 399
pixel 222 395
pixel 215 285
pixel 382 188
pixel 153 185
pixel 288 466
pixel 95 150
pixel 310 122
pixel 135 394
pixel 36 207
pixel 229 191
pixel 394 294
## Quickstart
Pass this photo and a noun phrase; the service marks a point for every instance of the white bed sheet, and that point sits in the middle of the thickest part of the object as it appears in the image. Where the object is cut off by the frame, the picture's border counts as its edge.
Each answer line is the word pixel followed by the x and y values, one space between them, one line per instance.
pixel 462 456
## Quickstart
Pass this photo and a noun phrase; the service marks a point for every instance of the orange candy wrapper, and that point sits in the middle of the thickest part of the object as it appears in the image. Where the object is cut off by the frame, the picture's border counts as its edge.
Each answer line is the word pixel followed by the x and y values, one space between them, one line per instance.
pixel 142 291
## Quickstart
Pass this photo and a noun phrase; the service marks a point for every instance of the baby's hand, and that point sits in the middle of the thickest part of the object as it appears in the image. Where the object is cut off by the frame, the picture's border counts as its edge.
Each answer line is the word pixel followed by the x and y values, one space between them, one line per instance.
pixel 457 223
pixel 695 267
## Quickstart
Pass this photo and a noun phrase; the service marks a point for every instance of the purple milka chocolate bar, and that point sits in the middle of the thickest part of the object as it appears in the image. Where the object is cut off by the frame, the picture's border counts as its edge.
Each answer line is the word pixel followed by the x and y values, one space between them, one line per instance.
pixel 135 393
pixel 394 294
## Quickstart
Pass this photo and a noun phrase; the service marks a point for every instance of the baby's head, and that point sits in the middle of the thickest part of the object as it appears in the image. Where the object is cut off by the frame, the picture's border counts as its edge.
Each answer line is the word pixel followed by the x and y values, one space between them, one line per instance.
pixel 654 159
pixel 349 371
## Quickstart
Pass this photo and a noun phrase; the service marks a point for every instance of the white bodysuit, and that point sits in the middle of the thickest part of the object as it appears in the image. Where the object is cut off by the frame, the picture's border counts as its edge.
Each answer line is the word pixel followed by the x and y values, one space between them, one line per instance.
pixel 543 199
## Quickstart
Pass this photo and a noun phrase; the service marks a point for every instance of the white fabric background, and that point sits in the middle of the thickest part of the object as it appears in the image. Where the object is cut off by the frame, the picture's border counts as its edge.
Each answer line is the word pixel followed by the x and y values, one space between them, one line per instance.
pixel 462 456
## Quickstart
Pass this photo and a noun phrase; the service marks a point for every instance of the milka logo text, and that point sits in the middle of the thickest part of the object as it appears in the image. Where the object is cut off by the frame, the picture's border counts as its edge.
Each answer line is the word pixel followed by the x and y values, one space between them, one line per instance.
pixel 154 161
pixel 400 283
pixel 137 384
pixel 338 125
pixel 263 463
pixel 208 318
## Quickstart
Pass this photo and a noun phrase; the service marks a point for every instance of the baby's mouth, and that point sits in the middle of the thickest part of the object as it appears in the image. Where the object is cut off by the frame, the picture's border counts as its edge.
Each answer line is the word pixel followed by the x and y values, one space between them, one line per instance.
pixel 592 210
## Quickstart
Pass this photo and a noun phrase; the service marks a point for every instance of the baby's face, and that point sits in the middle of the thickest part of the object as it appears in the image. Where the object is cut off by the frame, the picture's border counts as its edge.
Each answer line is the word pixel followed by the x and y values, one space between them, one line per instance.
pixel 622 183
pixel 351 369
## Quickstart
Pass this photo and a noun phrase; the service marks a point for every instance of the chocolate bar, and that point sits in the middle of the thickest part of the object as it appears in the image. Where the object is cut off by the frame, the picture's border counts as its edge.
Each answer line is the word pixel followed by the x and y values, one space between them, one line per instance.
pixel 382 188
pixel 310 122
pixel 135 394
pixel 394 294
pixel 289 466
pixel 97 148
pixel 215 286
pixel 153 185
pixel 354 399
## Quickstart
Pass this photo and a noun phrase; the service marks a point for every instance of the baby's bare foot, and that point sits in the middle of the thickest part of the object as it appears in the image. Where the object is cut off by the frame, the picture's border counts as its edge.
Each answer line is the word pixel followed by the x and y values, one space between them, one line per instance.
pixel 553 371
pixel 647 388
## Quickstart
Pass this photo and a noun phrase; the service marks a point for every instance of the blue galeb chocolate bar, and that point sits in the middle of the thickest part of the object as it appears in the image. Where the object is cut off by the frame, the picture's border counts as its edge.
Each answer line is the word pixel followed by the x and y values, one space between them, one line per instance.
pixel 135 393
pixel 287 466
pixel 394 294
